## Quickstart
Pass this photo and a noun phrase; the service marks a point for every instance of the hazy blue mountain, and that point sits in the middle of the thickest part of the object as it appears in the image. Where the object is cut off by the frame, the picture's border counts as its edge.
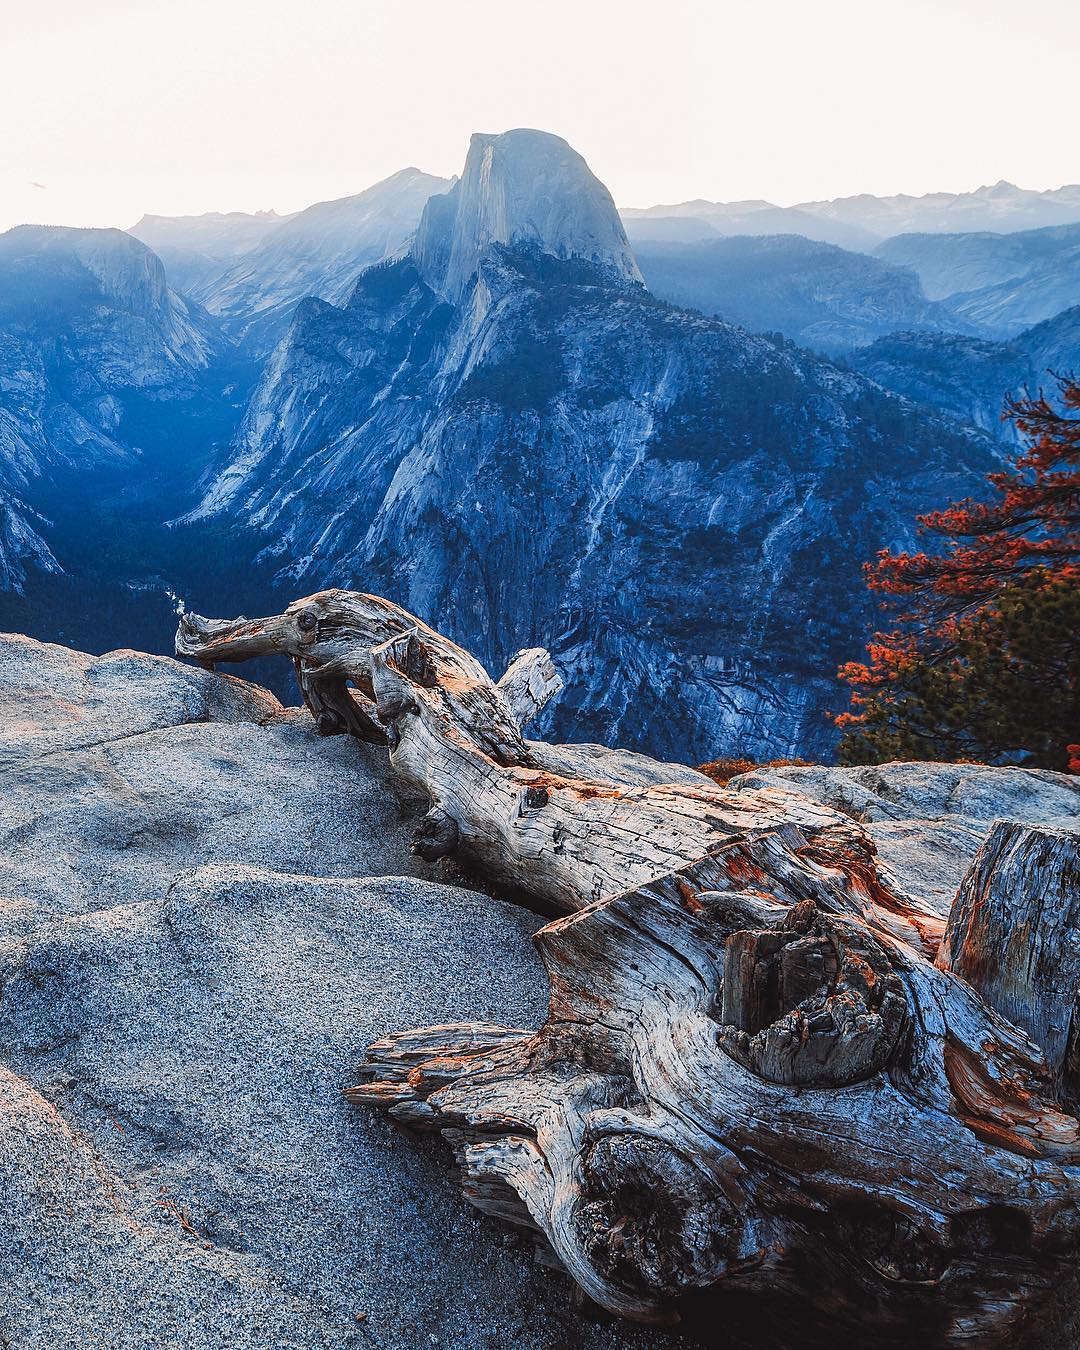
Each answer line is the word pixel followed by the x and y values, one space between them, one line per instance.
pixel 969 377
pixel 319 251
pixel 695 221
pixel 824 297
pixel 966 376
pixel 1001 207
pixel 96 356
pixel 195 248
pixel 862 221
pixel 1054 345
pixel 507 432
pixel 1000 283
pixel 217 234
pixel 949 264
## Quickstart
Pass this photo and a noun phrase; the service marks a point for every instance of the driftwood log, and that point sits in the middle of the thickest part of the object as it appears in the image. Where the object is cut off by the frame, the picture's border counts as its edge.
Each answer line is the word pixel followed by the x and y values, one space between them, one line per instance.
pixel 776 1097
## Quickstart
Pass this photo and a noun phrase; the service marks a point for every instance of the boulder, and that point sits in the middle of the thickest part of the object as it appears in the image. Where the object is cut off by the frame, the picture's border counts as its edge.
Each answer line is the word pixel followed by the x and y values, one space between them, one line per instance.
pixel 929 820
pixel 191 971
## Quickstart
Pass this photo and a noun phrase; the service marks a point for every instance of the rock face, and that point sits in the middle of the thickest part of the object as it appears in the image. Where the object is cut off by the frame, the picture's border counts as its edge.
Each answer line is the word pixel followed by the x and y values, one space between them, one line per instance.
pixel 94 347
pixel 523 189
pixel 319 251
pixel 201 933
pixel 823 297
pixel 1001 284
pixel 542 453
pixel 971 377
pixel 191 971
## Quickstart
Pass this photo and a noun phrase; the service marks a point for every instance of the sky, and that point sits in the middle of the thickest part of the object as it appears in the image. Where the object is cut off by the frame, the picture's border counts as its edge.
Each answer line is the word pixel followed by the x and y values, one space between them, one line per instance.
pixel 112 108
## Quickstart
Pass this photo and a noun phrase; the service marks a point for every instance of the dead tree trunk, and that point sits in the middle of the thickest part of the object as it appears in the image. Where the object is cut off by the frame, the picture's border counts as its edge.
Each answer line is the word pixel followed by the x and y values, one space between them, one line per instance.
pixel 1014 931
pixel 756 1099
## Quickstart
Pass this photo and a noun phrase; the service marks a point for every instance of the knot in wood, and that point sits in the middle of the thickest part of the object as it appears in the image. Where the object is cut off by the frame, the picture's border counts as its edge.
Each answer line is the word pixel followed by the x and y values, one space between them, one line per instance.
pixel 899 1251
pixel 813 1002
pixel 436 836
pixel 330 723
pixel 392 707
pixel 307 621
pixel 536 797
pixel 650 1220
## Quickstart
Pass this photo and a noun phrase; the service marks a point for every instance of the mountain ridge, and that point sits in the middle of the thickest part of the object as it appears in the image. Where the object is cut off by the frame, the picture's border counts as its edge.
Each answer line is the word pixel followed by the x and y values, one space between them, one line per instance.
pixel 319 251
pixel 558 457
pixel 91 338
pixel 520 187
pixel 817 294
pixel 863 221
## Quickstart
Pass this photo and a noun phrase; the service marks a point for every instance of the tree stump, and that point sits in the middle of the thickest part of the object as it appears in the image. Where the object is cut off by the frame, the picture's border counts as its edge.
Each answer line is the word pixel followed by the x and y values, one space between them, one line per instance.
pixel 767 1096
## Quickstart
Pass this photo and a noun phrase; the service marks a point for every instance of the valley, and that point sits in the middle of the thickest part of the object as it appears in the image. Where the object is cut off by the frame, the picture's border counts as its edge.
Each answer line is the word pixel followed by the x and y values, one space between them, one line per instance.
pixel 525 417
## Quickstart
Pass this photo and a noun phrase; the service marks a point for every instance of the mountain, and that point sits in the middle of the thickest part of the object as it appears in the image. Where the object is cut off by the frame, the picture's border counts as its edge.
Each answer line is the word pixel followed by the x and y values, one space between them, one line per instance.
pixel 217 234
pixel 952 264
pixel 821 296
pixel 971 377
pixel 1000 283
pixel 319 251
pixel 96 353
pixel 1000 208
pixel 195 248
pixel 699 220
pixel 859 222
pixel 523 189
pixel 506 432
pixel 1054 346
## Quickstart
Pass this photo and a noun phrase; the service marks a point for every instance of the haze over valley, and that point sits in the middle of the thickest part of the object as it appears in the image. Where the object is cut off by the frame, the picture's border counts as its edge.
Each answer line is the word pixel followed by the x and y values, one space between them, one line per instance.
pixel 539 675
pixel 660 442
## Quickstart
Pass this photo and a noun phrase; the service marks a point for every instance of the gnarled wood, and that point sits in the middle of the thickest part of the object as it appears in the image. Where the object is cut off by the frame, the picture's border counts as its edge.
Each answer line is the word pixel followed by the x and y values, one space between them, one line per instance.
pixel 529 682
pixel 456 735
pixel 755 1092
pixel 1014 931
pixel 922 1189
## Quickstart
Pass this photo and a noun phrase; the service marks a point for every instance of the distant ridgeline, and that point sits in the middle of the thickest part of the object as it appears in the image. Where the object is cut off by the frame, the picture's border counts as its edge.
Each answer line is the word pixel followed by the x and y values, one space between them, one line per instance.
pixel 490 408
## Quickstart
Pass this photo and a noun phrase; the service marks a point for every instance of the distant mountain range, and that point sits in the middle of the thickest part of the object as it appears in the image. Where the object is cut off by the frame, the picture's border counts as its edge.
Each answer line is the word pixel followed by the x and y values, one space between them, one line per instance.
pixel 993 286
pixel 490 399
pixel 998 283
pixel 252 270
pixel 816 273
pixel 505 431
pixel 863 221
pixel 196 247
pixel 750 262
pixel 821 296
pixel 701 221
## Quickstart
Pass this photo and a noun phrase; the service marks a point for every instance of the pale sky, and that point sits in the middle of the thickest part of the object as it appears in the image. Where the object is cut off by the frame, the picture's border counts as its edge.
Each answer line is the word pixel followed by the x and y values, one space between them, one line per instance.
pixel 110 108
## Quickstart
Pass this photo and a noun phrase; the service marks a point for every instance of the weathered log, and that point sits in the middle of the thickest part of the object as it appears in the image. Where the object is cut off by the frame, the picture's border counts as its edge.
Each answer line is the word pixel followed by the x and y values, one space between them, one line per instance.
pixel 529 682
pixel 756 1099
pixel 454 735
pixel 1014 930
pixel 914 1179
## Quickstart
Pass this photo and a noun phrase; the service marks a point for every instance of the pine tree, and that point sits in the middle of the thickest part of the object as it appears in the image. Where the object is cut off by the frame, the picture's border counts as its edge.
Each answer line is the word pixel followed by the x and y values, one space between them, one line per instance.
pixel 984 660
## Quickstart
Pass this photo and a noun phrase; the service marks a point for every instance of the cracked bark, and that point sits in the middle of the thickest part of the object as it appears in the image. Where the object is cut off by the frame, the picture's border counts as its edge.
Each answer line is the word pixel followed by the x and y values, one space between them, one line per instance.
pixel 766 1096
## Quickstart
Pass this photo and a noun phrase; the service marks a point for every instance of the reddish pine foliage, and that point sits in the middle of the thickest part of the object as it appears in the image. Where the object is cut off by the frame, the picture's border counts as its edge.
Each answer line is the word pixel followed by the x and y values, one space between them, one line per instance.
pixel 723 770
pixel 1033 523
pixel 984 659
